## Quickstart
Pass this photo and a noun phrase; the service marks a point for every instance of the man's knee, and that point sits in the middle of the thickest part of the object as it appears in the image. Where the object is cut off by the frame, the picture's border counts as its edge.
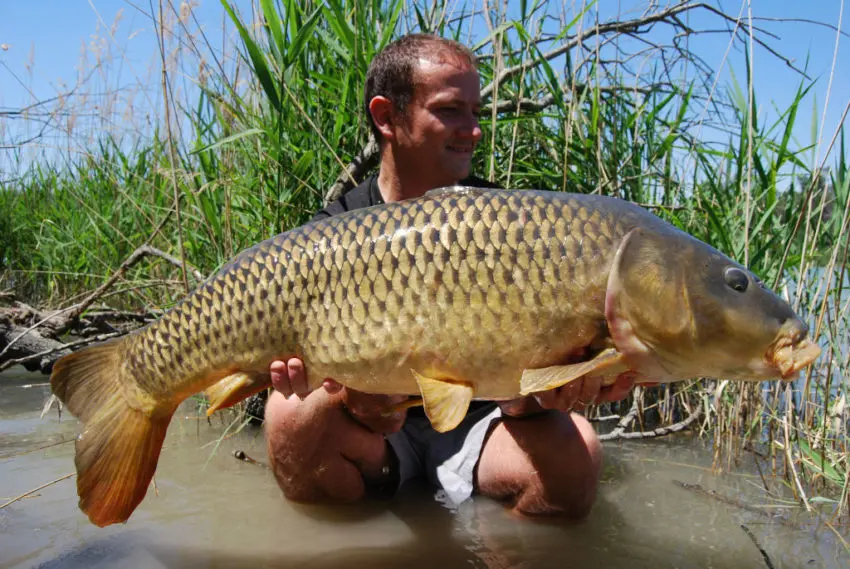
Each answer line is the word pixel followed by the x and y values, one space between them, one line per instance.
pixel 568 481
pixel 543 465
pixel 317 458
pixel 280 411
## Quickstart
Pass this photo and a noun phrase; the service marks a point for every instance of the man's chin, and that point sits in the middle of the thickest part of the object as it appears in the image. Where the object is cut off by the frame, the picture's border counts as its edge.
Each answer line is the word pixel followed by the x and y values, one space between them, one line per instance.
pixel 458 172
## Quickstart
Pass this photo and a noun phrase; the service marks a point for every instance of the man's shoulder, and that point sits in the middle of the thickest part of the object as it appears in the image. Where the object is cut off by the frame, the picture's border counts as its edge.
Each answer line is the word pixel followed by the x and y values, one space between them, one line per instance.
pixel 363 195
pixel 477 182
pixel 366 194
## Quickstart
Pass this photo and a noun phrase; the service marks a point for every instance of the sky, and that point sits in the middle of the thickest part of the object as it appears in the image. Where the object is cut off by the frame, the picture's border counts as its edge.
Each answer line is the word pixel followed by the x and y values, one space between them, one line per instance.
pixel 41 43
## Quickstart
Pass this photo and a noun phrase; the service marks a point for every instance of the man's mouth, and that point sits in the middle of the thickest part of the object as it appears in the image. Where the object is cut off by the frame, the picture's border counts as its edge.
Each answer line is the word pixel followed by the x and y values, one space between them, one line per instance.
pixel 460 148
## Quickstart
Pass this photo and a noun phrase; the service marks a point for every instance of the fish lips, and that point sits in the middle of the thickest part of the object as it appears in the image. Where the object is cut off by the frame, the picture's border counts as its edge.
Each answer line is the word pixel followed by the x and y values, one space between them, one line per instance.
pixel 790 354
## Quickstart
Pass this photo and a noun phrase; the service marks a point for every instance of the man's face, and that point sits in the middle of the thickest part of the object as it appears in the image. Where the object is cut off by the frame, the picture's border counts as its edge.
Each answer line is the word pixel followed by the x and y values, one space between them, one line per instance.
pixel 439 130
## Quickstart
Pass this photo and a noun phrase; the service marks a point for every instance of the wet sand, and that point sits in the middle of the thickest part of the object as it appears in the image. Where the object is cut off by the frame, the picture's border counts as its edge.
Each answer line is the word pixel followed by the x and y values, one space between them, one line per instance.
pixel 211 510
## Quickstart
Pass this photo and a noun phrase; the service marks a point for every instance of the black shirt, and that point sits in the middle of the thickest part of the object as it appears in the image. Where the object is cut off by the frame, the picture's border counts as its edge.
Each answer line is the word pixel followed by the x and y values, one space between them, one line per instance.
pixel 367 194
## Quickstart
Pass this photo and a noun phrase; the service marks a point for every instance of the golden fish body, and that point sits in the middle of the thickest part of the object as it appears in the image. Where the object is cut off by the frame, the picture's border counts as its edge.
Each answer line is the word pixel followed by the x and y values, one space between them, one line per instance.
pixel 474 286
pixel 460 294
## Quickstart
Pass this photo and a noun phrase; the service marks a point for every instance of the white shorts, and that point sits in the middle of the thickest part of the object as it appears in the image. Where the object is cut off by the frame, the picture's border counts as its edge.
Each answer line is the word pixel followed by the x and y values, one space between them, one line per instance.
pixel 446 460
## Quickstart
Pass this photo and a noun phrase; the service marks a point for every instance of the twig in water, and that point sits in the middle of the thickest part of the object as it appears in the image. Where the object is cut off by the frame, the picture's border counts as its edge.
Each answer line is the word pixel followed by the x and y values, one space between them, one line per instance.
pixel 838 535
pixel 240 455
pixel 33 491
pixel 17 454
pixel 698 489
pixel 764 555
pixel 48 405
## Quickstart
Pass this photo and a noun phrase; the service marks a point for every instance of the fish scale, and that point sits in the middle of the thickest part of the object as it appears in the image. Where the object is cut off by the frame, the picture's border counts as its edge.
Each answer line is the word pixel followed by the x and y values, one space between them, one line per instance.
pixel 463 293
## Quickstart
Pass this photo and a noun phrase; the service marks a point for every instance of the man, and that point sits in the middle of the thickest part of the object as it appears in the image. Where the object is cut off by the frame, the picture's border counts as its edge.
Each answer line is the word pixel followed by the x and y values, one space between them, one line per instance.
pixel 423 100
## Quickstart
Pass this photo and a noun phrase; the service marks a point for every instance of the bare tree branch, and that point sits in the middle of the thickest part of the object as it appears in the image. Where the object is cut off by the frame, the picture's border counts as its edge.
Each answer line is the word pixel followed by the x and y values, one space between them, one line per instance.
pixel 625 422
pixel 60 321
pixel 46 362
pixel 355 172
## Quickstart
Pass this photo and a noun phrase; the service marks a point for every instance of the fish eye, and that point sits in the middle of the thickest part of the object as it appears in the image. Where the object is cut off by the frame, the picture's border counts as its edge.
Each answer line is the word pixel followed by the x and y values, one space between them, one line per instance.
pixel 737 279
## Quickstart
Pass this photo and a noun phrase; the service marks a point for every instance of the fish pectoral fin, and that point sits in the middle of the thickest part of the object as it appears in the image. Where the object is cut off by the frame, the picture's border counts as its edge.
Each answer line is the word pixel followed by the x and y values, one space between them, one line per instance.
pixel 234 388
pixel 446 401
pixel 607 362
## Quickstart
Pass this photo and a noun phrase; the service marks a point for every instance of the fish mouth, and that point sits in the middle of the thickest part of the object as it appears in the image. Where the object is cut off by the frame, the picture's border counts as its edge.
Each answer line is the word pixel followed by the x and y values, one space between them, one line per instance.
pixel 789 355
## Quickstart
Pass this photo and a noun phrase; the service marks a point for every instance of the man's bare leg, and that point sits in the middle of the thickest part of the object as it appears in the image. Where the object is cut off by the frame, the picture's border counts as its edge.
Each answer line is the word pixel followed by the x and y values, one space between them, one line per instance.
pixel 544 464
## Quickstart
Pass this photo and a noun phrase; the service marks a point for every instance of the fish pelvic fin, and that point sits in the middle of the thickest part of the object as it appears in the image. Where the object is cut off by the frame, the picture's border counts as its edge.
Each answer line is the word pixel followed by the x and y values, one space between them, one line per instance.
pixel 118 449
pixel 607 363
pixel 446 401
pixel 234 388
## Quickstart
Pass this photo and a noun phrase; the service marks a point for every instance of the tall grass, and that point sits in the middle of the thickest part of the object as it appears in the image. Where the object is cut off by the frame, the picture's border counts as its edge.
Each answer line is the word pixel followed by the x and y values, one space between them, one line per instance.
pixel 270 121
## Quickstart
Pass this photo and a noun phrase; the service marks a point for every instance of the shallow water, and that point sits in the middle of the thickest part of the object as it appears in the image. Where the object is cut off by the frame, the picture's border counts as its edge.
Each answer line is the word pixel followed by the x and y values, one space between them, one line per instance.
pixel 215 511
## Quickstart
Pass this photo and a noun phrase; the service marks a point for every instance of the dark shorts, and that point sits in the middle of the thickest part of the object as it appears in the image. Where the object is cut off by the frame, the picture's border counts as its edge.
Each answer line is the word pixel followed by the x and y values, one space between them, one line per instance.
pixel 446 460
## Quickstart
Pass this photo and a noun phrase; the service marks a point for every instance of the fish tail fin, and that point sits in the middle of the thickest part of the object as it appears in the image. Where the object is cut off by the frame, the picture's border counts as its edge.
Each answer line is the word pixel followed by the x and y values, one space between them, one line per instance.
pixel 119 446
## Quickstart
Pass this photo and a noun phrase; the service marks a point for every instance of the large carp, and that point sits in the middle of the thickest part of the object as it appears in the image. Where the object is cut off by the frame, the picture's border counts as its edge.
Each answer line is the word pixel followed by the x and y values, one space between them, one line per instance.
pixel 461 294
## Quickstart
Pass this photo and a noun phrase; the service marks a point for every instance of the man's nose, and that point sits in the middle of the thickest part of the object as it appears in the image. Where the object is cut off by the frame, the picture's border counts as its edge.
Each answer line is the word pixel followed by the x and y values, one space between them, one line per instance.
pixel 471 127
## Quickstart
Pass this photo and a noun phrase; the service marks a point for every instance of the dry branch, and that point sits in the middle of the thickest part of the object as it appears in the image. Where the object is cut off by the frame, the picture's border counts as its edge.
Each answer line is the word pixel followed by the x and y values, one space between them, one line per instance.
pixel 36 346
pixel 47 357
pixel 620 433
pixel 61 321
pixel 354 172
pixel 34 490
pixel 624 26
pixel 27 344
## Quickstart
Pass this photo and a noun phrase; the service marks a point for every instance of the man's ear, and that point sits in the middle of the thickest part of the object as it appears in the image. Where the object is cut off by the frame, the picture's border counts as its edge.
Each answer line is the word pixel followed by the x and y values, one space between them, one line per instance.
pixel 382 112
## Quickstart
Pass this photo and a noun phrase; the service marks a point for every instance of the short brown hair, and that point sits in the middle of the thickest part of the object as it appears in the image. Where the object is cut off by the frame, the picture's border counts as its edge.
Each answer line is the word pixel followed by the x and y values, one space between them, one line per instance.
pixel 391 73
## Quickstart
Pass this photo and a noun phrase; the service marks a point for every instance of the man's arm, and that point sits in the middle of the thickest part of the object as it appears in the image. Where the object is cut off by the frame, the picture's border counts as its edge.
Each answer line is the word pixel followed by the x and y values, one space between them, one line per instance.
pixel 290 377
pixel 575 396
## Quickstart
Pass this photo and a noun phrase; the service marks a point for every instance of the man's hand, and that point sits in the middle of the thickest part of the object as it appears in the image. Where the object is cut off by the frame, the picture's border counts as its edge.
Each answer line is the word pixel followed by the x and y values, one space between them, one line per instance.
pixel 372 411
pixel 574 396
pixel 289 377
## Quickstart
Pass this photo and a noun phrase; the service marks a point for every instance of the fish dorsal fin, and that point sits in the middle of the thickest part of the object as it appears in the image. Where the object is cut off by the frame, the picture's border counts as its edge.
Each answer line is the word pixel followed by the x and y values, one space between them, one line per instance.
pixel 457 190
pixel 607 363
pixel 234 388
pixel 446 401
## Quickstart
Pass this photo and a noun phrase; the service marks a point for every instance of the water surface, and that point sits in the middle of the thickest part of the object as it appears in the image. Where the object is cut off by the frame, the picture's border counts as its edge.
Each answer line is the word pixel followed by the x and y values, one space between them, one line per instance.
pixel 211 510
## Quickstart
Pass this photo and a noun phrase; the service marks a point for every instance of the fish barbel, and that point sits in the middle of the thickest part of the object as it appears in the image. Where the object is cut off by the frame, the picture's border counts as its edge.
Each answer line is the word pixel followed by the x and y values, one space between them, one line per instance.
pixel 461 294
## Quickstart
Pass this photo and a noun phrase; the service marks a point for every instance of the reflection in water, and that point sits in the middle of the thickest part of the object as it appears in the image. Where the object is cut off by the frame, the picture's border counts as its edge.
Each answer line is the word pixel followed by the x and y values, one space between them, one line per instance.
pixel 214 511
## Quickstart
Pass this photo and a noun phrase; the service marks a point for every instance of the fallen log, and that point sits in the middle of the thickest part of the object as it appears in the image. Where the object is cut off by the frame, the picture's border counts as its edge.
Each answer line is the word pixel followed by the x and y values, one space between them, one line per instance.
pixel 19 343
pixel 26 339
pixel 31 337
